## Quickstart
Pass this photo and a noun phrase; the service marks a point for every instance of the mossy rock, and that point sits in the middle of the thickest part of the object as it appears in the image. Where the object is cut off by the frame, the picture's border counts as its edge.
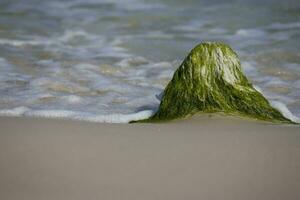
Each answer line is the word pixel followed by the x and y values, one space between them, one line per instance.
pixel 210 80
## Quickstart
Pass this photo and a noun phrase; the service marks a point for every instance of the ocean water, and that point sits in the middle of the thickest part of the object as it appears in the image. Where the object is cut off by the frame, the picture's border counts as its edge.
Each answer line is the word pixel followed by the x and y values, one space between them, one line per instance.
pixel 108 60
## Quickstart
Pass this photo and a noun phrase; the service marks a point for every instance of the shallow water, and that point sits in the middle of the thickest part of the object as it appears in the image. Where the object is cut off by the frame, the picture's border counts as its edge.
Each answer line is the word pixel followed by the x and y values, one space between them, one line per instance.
pixel 107 60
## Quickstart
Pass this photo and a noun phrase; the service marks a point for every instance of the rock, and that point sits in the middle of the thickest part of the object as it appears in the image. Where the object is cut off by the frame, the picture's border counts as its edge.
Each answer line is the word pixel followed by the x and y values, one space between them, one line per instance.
pixel 210 80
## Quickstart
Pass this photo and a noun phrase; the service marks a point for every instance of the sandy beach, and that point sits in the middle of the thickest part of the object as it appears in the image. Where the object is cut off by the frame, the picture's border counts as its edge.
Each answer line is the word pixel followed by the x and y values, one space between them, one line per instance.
pixel 199 158
pixel 75 73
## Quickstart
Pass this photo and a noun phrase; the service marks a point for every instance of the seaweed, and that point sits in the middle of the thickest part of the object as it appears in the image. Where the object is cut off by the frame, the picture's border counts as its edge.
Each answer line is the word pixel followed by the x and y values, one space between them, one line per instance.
pixel 210 80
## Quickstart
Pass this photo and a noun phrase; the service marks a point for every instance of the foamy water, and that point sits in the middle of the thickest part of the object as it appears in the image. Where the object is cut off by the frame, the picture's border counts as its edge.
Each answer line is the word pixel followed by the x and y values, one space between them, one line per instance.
pixel 109 60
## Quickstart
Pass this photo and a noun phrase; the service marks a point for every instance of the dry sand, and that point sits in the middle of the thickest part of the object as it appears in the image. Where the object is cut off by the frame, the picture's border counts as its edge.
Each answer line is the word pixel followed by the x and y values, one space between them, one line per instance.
pixel 197 159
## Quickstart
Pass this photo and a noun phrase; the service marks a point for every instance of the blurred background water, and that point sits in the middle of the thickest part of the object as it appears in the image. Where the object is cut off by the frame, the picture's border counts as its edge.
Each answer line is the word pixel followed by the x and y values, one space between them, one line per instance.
pixel 106 60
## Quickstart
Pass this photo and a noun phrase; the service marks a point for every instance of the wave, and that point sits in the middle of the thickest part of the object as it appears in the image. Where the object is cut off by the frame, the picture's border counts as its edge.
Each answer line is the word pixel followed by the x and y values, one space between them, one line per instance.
pixel 285 111
pixel 73 115
pixel 111 118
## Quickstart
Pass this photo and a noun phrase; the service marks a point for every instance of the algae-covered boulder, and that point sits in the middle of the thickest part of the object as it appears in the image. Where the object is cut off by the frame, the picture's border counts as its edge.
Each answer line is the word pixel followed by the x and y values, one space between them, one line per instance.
pixel 210 80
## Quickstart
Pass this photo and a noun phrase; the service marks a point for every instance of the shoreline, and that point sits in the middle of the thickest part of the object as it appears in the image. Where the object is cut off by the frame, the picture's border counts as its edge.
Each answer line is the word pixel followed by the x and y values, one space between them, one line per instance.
pixel 197 158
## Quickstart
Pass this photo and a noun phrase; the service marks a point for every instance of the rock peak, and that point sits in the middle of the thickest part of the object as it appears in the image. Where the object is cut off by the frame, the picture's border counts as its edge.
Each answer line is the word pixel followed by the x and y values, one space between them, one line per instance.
pixel 210 80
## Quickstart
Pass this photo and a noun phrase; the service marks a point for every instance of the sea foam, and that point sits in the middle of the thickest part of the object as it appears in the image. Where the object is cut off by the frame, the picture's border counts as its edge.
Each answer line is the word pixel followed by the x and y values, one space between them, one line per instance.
pixel 115 61
pixel 285 111
pixel 78 116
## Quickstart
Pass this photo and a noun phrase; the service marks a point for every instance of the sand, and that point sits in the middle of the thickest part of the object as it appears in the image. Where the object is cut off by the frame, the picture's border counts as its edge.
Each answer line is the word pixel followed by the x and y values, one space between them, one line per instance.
pixel 200 158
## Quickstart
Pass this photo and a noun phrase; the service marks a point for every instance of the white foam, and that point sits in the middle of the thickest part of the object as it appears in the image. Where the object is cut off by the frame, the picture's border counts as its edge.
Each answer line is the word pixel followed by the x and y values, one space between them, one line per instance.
pixel 162 64
pixel 66 37
pixel 257 88
pixel 132 61
pixel 70 34
pixel 81 116
pixel 218 31
pixel 47 63
pixel 18 42
pixel 281 107
pixel 285 111
pixel 121 118
pixel 15 112
pixel 250 33
pixel 166 74
pixel 51 113
pixel 73 99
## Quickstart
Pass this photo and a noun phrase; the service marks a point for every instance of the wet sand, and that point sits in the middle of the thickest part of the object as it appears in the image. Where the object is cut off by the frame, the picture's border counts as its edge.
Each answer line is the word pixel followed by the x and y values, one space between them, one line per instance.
pixel 200 158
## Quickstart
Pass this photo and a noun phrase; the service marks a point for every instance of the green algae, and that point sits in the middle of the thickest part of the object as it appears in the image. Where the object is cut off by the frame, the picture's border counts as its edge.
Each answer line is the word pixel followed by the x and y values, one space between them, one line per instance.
pixel 210 80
